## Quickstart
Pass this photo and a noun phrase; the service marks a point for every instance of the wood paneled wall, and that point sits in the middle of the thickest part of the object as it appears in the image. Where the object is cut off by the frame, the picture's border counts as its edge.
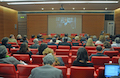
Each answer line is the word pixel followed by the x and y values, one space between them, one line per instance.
pixel 8 19
pixel 92 23
pixel 117 21
pixel 36 24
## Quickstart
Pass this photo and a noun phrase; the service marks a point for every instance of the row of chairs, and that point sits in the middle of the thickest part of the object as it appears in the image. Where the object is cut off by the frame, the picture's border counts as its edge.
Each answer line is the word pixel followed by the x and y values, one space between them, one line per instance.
pixel 8 71
pixel 37 59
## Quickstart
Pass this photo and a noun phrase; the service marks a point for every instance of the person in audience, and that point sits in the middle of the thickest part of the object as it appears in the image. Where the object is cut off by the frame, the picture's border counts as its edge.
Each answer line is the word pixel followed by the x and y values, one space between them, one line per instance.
pixel 77 38
pixel 107 46
pixel 24 49
pixel 24 39
pixel 82 58
pixel 49 37
pixel 39 37
pixel 83 40
pixel 12 39
pixel 101 40
pixel 66 35
pixel 117 44
pixel 59 37
pixel 90 42
pixel 41 48
pixel 76 42
pixel 57 41
pixel 58 60
pixel 35 45
pixel 94 38
pixel 5 43
pixel 4 58
pixel 65 42
pixel 47 70
pixel 107 38
pixel 19 37
pixel 53 42
pixel 32 37
pixel 99 52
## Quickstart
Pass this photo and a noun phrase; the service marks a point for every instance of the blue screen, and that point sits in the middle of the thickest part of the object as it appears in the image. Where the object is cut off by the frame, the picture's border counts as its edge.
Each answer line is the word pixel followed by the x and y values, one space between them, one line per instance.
pixel 111 70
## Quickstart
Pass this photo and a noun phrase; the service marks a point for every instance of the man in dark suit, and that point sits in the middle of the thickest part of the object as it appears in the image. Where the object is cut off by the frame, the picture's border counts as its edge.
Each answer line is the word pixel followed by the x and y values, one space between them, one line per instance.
pixel 46 71
pixel 99 52
pixel 65 42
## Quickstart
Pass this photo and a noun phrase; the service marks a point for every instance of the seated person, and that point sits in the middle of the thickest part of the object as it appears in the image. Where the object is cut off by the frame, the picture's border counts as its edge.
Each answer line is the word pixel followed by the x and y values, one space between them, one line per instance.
pixel 24 39
pixel 5 43
pixel 19 37
pixel 117 44
pixel 77 41
pixel 12 39
pixel 101 40
pixel 57 41
pixel 107 38
pixel 41 48
pixel 53 42
pixel 83 40
pixel 32 37
pixel 99 52
pixel 94 38
pixel 82 58
pixel 24 49
pixel 47 70
pixel 66 35
pixel 39 37
pixel 35 45
pixel 58 60
pixel 49 37
pixel 4 58
pixel 107 46
pixel 90 42
pixel 65 42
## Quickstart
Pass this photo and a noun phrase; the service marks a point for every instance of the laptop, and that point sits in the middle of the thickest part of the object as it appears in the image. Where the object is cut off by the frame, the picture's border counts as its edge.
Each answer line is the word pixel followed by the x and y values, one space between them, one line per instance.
pixel 111 70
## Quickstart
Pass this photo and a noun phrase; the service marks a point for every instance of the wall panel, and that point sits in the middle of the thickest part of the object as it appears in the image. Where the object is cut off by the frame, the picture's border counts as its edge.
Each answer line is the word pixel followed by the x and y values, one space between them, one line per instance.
pixel 8 19
pixel 36 24
pixel 117 21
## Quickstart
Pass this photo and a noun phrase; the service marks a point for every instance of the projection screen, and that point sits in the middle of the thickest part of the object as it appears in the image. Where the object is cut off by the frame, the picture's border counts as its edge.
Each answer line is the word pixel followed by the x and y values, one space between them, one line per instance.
pixel 65 24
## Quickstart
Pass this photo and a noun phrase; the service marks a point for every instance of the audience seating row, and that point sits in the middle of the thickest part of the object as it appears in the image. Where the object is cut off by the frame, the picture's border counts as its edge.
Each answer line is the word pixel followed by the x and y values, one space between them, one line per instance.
pixel 37 59
pixel 72 72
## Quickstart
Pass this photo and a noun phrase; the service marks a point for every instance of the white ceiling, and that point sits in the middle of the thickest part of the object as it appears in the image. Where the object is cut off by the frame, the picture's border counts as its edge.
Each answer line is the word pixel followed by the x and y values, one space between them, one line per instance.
pixel 49 7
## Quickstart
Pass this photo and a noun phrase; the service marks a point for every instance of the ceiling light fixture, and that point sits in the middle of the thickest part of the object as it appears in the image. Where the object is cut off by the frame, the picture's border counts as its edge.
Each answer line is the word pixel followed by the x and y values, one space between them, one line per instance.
pixel 42 8
pixel 73 8
pixel 83 8
pixel 106 8
pixel 60 2
pixel 52 8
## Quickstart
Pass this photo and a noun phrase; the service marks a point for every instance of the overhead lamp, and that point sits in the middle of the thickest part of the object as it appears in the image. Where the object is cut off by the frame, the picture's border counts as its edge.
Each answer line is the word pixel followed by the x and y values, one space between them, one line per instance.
pixel 73 8
pixel 106 8
pixel 60 2
pixel 42 8
pixel 52 8
pixel 83 8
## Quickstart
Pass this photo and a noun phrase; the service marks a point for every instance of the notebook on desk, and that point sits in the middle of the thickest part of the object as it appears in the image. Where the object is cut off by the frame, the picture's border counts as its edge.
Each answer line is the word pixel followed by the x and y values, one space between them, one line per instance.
pixel 111 70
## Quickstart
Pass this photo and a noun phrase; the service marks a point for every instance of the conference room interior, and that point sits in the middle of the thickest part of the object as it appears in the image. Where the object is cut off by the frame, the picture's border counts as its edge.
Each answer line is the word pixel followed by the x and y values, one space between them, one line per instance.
pixel 49 18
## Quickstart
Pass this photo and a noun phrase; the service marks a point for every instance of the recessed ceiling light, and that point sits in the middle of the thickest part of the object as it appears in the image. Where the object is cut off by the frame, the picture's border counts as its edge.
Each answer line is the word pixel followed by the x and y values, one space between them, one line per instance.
pixel 42 8
pixel 83 8
pixel 52 8
pixel 106 8
pixel 73 8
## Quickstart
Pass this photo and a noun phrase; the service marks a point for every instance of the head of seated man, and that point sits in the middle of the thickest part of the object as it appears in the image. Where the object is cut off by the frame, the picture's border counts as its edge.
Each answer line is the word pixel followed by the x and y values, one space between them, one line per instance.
pixel 66 35
pixel 12 36
pixel 65 39
pixel 54 40
pixel 99 49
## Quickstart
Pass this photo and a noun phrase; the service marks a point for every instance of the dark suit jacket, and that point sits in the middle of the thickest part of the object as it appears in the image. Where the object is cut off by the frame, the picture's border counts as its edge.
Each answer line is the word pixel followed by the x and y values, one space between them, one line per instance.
pixel 65 44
